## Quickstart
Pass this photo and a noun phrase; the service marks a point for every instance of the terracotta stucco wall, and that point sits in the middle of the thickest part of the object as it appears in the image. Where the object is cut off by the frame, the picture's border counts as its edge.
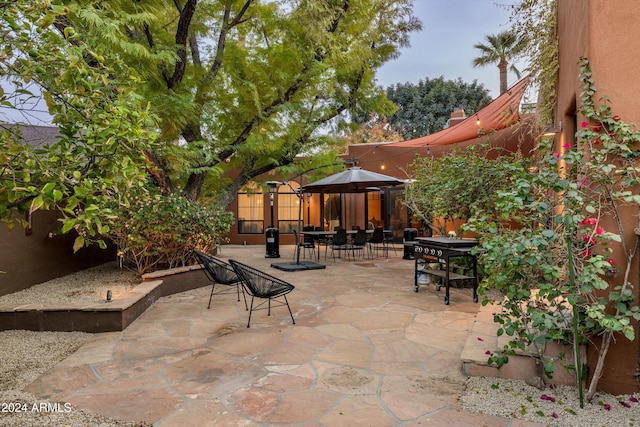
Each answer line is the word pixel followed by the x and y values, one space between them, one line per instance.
pixel 605 32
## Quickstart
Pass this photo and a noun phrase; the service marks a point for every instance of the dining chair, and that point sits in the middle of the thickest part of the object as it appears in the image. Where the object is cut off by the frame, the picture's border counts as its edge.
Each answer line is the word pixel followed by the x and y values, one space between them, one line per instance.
pixel 322 241
pixel 377 241
pixel 340 243
pixel 303 245
pixel 359 242
pixel 388 239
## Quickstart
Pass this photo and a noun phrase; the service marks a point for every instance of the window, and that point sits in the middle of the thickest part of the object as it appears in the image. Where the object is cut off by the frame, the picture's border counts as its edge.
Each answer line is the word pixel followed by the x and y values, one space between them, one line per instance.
pixel 250 210
pixel 288 208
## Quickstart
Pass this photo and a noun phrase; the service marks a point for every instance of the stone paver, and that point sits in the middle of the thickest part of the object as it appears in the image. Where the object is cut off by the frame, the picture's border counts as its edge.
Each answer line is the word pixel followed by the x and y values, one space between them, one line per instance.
pixel 366 350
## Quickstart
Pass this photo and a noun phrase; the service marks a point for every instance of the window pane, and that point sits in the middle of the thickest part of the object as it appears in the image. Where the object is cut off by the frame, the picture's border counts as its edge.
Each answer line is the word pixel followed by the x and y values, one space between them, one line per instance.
pixel 250 213
pixel 288 208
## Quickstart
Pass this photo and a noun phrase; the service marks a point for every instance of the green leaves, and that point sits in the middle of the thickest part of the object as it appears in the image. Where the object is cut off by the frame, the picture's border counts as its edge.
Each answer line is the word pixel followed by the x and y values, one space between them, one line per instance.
pixel 563 273
pixel 441 192
pixel 425 108
pixel 104 126
pixel 160 231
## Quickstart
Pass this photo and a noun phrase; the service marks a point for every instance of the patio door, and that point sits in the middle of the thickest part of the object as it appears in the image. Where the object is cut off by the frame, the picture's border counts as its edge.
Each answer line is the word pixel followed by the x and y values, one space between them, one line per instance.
pixel 397 214
pixel 331 211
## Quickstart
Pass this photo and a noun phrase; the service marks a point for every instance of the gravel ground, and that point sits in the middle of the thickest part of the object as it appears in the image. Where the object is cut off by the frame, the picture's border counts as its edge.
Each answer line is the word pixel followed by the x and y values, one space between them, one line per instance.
pixel 555 406
pixel 90 285
pixel 26 355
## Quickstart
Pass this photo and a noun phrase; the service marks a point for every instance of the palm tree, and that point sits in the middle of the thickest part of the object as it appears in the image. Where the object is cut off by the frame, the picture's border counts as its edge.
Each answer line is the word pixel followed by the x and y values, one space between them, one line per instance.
pixel 501 49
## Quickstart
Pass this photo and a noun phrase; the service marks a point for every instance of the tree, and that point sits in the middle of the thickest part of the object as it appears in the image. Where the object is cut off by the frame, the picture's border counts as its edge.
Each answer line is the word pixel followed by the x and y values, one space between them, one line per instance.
pixel 177 94
pixel 500 49
pixel 425 108
pixel 536 22
pixel 444 198
pixel 104 127
pixel 377 129
pixel 245 81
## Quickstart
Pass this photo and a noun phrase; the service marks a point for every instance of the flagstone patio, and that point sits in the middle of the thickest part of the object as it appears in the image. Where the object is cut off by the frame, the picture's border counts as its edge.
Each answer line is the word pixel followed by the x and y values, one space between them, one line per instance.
pixel 365 350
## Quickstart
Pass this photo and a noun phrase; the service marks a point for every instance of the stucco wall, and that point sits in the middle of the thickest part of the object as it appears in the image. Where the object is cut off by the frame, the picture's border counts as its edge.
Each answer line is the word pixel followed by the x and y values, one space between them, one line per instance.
pixel 605 32
pixel 29 260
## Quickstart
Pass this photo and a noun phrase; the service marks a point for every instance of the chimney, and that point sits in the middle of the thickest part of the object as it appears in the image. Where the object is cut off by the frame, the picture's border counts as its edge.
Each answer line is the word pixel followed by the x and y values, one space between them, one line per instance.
pixel 457 115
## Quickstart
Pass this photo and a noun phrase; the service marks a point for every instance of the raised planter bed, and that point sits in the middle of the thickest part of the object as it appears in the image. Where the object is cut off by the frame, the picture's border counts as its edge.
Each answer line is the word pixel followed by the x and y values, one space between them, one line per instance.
pixel 103 316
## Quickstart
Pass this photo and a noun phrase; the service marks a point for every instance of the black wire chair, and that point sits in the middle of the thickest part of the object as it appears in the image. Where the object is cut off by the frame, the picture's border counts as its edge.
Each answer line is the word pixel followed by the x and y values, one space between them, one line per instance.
pixel 220 272
pixel 259 284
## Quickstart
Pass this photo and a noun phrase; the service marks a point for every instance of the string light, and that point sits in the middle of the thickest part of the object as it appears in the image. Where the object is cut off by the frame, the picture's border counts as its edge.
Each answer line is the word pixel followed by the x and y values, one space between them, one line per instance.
pixel 477 120
pixel 382 165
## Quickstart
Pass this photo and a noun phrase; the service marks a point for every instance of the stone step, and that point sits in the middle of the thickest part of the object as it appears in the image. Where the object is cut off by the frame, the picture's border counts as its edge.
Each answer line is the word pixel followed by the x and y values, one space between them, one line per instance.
pixel 483 338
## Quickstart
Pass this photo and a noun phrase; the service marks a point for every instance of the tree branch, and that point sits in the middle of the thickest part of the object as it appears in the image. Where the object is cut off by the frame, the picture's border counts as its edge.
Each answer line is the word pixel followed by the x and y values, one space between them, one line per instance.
pixel 158 173
pixel 182 35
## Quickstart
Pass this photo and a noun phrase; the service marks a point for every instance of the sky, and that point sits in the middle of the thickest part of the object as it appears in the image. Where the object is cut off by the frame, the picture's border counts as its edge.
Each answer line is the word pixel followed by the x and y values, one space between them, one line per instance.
pixel 444 47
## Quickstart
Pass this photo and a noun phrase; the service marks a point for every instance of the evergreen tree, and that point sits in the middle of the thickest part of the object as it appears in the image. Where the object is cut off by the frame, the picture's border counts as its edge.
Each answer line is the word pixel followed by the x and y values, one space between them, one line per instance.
pixel 424 108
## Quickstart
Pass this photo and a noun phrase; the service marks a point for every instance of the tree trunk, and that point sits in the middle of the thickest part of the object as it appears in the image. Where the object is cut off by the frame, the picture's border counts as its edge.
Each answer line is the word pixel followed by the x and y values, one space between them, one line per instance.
pixel 194 185
pixel 597 372
pixel 225 200
pixel 158 174
pixel 502 66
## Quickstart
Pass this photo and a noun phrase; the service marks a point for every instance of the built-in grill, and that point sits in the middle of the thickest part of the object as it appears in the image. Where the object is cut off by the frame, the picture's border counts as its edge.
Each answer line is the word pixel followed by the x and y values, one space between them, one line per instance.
pixel 431 250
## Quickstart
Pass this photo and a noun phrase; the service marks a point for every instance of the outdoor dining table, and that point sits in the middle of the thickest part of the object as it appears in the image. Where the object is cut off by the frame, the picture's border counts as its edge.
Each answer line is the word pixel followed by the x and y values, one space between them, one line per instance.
pixel 329 233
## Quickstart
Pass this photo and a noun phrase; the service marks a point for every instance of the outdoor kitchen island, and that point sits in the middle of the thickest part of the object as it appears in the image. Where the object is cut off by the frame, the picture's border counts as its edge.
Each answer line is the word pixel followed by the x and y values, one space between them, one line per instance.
pixel 441 250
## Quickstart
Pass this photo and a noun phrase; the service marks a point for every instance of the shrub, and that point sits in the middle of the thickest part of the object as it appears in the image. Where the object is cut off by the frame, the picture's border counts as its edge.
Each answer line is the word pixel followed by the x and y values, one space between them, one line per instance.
pixel 158 232
pixel 566 272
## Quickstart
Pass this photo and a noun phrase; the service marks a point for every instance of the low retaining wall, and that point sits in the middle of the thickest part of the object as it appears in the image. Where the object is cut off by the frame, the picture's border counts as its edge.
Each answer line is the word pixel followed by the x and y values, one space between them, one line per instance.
pixel 103 316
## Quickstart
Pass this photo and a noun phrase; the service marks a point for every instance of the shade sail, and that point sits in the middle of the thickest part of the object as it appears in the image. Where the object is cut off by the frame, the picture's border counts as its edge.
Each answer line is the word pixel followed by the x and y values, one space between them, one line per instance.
pixel 501 113
pixel 352 180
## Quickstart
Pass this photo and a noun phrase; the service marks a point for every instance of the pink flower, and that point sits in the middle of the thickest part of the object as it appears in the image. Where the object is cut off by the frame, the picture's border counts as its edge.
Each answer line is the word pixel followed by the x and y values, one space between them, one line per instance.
pixel 596 142
pixel 607 407
pixel 625 404
pixel 554 415
pixel 587 253
pixel 599 231
pixel 589 240
pixel 480 339
pixel 487 352
pixel 547 397
pixel 567 146
pixel 616 118
pixel 584 124
pixel 589 221
pixel 596 128
pixel 612 261
pixel 556 155
pixel 633 399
